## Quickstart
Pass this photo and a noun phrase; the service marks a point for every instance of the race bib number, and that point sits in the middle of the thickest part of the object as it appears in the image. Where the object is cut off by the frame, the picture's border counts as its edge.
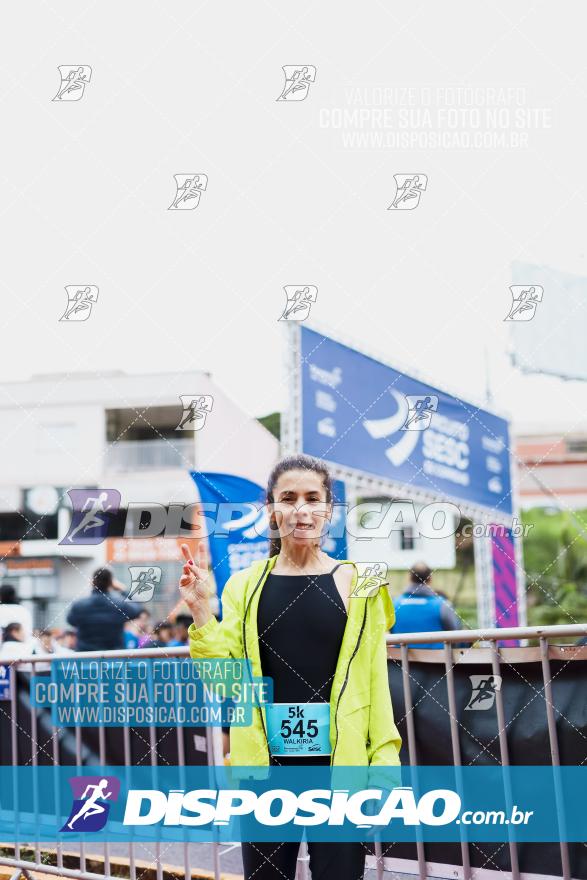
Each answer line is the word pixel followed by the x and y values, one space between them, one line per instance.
pixel 298 729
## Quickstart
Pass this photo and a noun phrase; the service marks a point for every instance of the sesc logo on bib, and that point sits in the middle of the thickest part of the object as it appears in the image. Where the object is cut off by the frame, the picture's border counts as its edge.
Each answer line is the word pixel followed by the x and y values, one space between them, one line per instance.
pixel 298 729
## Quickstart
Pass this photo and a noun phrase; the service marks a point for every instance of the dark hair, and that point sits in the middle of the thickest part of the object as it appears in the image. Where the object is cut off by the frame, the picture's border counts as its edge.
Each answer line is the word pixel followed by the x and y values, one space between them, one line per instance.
pixel 8 632
pixel 102 579
pixel 163 624
pixel 294 463
pixel 420 573
pixel 183 620
pixel 8 595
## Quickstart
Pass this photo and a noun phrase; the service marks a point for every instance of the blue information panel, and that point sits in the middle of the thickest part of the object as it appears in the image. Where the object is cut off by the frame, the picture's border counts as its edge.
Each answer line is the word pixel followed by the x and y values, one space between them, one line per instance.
pixel 362 414
pixel 4 683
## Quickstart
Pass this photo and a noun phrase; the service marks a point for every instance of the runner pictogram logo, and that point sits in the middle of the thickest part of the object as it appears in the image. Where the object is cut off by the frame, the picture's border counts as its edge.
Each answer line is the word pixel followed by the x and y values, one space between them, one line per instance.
pixel 92 796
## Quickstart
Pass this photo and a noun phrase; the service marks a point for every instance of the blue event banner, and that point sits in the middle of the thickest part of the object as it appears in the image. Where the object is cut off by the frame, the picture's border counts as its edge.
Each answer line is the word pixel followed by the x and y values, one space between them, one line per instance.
pixel 355 411
pixel 159 692
pixel 201 804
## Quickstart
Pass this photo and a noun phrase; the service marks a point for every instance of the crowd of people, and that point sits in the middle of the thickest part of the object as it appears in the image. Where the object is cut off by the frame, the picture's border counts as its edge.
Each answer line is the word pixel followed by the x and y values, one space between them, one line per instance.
pixel 103 621
pixel 106 621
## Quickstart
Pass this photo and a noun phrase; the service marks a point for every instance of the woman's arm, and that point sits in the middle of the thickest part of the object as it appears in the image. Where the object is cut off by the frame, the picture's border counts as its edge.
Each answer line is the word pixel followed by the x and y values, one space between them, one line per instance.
pixel 220 638
pixel 208 637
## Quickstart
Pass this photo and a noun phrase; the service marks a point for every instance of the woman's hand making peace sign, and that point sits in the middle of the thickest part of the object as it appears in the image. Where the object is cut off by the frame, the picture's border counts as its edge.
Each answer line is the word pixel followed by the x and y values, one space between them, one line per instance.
pixel 193 584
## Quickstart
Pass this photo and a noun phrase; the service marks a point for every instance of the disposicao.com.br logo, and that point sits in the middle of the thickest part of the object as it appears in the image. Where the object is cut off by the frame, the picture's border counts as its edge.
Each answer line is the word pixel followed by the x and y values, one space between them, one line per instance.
pixel 118 802
pixel 366 808
pixel 308 808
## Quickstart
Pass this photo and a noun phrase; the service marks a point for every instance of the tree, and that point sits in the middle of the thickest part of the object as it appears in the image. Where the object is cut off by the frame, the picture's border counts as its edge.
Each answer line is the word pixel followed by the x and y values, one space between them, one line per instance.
pixel 555 561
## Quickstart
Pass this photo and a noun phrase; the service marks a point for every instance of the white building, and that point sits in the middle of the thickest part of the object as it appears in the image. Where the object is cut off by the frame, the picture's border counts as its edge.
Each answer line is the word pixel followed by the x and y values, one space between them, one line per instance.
pixel 118 431
pixel 107 431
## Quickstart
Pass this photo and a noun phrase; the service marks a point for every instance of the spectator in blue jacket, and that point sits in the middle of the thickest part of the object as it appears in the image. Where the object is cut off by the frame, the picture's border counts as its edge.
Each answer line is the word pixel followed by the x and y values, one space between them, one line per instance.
pixel 420 609
pixel 100 618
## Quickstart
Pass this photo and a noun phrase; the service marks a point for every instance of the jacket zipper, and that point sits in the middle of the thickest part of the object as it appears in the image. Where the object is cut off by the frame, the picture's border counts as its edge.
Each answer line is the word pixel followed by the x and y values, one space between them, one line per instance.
pixel 344 684
pixel 245 650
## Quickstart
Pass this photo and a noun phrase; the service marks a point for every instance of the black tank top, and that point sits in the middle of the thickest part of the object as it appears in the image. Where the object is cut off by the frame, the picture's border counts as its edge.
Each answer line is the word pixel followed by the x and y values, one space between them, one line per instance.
pixel 301 621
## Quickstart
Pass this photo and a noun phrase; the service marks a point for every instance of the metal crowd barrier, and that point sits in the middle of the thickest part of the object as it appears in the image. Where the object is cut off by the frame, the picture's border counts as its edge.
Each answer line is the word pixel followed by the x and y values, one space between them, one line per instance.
pixel 213 752
pixel 487 650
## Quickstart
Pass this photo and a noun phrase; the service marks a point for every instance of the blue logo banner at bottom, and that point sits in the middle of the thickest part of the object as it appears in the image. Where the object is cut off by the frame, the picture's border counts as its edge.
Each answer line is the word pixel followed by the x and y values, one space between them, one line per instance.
pixel 201 804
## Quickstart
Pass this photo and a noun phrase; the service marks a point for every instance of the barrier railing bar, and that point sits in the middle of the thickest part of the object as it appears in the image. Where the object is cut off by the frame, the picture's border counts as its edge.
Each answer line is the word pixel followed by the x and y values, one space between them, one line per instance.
pixel 498 633
pixel 215 759
pixel 505 762
pixel 42 868
pixel 34 761
pixel 456 750
pixel 127 764
pixel 154 765
pixel 412 751
pixel 555 757
pixel 454 635
pixel 181 765
pixel 126 654
pixel 14 750
pixel 56 764
pixel 102 753
pixel 78 761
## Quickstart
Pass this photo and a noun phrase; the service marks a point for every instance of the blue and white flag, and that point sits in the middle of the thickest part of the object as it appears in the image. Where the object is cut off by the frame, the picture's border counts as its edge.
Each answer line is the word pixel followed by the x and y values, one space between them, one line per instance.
pixel 335 541
pixel 237 531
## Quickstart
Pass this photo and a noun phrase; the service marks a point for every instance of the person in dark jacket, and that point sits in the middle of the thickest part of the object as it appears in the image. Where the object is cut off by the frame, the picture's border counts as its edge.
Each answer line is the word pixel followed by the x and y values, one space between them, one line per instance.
pixel 100 618
pixel 421 609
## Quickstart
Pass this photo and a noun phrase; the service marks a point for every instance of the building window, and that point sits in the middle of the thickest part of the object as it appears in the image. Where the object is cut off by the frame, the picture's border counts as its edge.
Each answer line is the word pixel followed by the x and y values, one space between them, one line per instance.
pixel 407 538
pixel 577 445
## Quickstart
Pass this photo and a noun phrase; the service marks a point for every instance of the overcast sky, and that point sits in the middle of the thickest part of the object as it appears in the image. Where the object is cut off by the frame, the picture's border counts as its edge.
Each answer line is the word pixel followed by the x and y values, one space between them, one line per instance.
pixel 293 196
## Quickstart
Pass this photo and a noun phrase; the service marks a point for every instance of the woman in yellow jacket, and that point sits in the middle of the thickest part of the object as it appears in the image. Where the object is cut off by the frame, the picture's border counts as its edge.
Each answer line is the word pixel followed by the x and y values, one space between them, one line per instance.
pixel 298 618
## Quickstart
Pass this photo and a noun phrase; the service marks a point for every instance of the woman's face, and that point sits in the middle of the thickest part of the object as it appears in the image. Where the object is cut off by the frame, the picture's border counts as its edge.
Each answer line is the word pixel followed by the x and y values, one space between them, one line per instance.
pixel 300 508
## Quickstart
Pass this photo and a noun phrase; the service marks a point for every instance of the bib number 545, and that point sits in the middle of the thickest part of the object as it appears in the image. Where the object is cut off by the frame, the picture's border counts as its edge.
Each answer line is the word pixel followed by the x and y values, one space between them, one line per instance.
pixel 310 730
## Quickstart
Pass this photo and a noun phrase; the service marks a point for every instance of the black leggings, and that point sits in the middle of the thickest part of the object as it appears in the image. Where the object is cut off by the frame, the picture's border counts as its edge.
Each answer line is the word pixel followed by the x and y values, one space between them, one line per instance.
pixel 277 861
pixel 328 861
